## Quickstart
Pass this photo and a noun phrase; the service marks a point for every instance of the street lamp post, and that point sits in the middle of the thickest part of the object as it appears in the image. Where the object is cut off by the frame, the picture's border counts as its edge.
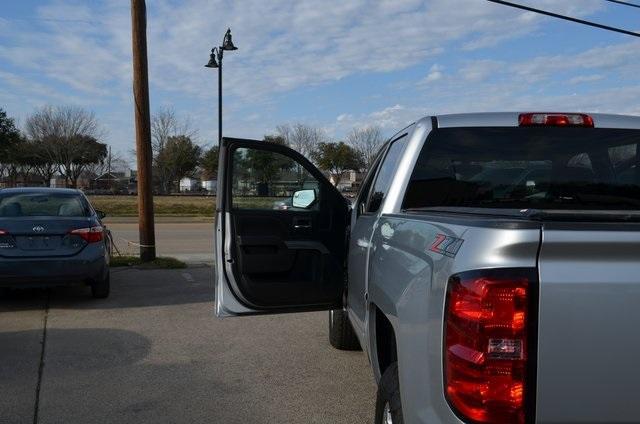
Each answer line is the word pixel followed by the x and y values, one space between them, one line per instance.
pixel 215 61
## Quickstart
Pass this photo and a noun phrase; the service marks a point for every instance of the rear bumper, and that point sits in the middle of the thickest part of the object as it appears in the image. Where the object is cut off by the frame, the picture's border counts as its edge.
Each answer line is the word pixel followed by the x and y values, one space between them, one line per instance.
pixel 30 272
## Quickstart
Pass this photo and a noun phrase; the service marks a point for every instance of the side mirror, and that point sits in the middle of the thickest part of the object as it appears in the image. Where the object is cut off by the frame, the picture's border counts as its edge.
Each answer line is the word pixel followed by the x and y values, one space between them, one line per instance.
pixel 101 215
pixel 303 199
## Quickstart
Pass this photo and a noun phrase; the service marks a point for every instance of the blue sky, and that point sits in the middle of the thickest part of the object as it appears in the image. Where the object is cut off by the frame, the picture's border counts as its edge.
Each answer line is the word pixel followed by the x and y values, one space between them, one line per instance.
pixel 336 64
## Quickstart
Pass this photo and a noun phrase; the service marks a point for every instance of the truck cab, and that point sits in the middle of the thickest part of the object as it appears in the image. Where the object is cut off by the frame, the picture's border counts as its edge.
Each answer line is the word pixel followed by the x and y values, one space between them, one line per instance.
pixel 488 267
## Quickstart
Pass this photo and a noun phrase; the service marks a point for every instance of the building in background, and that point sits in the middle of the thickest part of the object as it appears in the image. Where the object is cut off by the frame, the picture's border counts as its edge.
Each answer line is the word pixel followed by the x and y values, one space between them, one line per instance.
pixel 349 182
pixel 188 185
pixel 209 186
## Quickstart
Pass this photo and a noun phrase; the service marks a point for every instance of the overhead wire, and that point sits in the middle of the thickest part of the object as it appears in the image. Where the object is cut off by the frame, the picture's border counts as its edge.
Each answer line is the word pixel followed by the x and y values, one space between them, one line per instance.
pixel 566 18
pixel 624 3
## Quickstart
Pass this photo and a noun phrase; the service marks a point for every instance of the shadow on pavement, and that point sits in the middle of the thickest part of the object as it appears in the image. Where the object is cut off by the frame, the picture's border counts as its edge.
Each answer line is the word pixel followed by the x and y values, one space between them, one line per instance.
pixel 130 288
pixel 74 349
pixel 105 375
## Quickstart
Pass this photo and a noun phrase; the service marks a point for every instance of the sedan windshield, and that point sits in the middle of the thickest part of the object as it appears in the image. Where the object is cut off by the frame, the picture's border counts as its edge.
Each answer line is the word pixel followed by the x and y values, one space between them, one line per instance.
pixel 42 204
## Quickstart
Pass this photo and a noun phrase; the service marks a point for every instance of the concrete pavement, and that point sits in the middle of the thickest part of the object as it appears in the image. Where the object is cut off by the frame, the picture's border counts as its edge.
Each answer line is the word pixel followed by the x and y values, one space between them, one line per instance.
pixel 153 352
pixel 191 242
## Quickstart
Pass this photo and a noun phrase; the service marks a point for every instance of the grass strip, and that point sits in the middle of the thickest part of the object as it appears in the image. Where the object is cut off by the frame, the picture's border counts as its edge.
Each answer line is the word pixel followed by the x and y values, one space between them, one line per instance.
pixel 162 262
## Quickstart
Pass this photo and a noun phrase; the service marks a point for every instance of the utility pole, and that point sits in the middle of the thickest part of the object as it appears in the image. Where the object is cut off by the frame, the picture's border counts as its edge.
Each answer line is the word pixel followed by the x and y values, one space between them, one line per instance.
pixel 143 130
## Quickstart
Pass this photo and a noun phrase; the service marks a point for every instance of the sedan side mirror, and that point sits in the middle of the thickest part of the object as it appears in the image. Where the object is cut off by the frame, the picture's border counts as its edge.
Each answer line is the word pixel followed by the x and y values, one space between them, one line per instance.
pixel 101 215
pixel 303 199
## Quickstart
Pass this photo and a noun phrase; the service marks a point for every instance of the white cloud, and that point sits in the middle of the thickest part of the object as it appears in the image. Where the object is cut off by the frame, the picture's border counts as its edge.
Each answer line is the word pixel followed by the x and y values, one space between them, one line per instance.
pixel 435 74
pixel 283 46
pixel 538 83
pixel 585 78
pixel 480 70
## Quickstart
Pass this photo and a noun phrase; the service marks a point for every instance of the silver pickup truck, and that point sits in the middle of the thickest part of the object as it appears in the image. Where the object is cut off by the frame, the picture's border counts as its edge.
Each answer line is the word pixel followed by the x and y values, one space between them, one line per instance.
pixel 489 266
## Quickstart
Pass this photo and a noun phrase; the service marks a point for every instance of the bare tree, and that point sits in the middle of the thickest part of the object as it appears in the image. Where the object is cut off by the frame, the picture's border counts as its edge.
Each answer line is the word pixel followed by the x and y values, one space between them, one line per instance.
pixel 164 124
pixel 62 122
pixel 114 162
pixel 366 141
pixel 69 137
pixel 301 137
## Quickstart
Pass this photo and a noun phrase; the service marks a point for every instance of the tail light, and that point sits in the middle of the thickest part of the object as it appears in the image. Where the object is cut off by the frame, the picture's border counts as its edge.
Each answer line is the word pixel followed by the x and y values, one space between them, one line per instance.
pixel 488 343
pixel 3 232
pixel 90 235
pixel 555 120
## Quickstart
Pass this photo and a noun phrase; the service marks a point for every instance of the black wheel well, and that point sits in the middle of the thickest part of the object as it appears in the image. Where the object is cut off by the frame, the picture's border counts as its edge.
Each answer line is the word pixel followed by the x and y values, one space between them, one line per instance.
pixel 385 340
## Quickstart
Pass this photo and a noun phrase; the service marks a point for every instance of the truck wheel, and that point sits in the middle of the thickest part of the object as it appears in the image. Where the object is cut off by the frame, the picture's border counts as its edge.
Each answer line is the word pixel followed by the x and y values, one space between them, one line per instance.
pixel 100 289
pixel 341 334
pixel 388 405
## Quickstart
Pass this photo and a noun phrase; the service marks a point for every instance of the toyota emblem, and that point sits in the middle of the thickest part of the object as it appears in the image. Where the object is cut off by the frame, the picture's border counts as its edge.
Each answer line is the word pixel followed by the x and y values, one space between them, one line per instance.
pixel 38 229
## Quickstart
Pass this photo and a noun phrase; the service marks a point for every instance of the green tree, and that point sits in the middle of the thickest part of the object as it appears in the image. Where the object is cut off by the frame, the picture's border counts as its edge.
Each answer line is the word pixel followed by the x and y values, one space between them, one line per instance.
pixel 336 158
pixel 40 160
pixel 266 166
pixel 209 163
pixel 277 139
pixel 179 158
pixel 9 133
pixel 262 167
pixel 84 150
pixel 10 137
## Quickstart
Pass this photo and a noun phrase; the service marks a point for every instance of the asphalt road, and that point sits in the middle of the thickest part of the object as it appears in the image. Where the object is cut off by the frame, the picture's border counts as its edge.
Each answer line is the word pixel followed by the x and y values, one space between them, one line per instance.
pixel 154 353
pixel 191 242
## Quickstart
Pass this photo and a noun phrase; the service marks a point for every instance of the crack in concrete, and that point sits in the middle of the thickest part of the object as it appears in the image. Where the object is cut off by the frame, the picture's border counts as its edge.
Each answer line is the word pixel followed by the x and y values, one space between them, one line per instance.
pixel 41 365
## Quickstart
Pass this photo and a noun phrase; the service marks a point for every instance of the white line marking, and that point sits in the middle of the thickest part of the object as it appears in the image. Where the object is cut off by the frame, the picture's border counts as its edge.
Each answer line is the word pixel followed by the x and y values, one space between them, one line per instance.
pixel 188 277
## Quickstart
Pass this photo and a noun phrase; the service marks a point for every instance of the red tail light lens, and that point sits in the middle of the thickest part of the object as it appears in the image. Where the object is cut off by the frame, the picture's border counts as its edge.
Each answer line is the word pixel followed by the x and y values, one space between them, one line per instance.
pixel 3 232
pixel 486 345
pixel 555 120
pixel 90 235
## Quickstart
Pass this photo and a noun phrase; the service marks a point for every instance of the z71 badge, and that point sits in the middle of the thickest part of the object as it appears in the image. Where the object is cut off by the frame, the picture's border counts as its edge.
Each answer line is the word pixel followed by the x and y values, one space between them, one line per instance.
pixel 446 245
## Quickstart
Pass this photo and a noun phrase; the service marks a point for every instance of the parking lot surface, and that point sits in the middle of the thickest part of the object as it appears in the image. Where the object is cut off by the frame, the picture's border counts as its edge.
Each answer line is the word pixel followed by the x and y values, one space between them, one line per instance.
pixel 154 353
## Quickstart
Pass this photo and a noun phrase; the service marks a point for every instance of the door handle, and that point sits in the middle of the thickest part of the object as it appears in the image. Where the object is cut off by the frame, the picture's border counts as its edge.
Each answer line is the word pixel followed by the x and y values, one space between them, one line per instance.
pixel 302 224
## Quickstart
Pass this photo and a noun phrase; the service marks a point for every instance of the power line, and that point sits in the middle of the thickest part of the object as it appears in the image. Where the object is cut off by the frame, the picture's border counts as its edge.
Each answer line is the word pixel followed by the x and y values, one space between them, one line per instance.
pixel 624 3
pixel 566 18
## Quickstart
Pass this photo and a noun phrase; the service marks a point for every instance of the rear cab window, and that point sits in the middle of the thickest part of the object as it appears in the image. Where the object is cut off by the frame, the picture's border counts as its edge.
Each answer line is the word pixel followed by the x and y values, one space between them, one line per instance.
pixel 527 168
pixel 30 204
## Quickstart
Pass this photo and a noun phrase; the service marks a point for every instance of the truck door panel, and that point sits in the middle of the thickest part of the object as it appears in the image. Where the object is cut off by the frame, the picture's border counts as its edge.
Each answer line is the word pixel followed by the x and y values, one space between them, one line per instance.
pixel 283 249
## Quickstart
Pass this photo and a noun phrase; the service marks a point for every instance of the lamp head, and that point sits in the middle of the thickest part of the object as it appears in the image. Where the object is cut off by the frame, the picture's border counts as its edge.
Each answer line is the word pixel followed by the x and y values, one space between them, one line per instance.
pixel 227 44
pixel 213 63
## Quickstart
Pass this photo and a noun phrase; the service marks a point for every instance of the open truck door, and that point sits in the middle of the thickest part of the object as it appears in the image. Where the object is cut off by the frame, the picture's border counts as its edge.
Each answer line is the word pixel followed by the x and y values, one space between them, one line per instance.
pixel 281 231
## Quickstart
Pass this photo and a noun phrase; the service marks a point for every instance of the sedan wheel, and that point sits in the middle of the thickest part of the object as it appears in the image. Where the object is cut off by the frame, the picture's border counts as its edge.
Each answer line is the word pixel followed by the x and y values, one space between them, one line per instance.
pixel 101 289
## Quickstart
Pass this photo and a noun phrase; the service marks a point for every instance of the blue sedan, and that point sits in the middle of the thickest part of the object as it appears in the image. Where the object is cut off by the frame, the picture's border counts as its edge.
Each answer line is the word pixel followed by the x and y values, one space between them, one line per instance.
pixel 52 237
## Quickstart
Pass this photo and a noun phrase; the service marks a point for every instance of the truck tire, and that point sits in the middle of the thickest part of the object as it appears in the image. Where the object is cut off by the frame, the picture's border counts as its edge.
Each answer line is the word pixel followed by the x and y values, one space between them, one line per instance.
pixel 388 404
pixel 341 334
pixel 100 289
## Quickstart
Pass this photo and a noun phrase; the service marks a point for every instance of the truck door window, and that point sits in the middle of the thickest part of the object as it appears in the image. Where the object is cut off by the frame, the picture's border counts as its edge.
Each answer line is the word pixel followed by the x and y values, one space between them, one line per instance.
pixel 263 179
pixel 385 174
